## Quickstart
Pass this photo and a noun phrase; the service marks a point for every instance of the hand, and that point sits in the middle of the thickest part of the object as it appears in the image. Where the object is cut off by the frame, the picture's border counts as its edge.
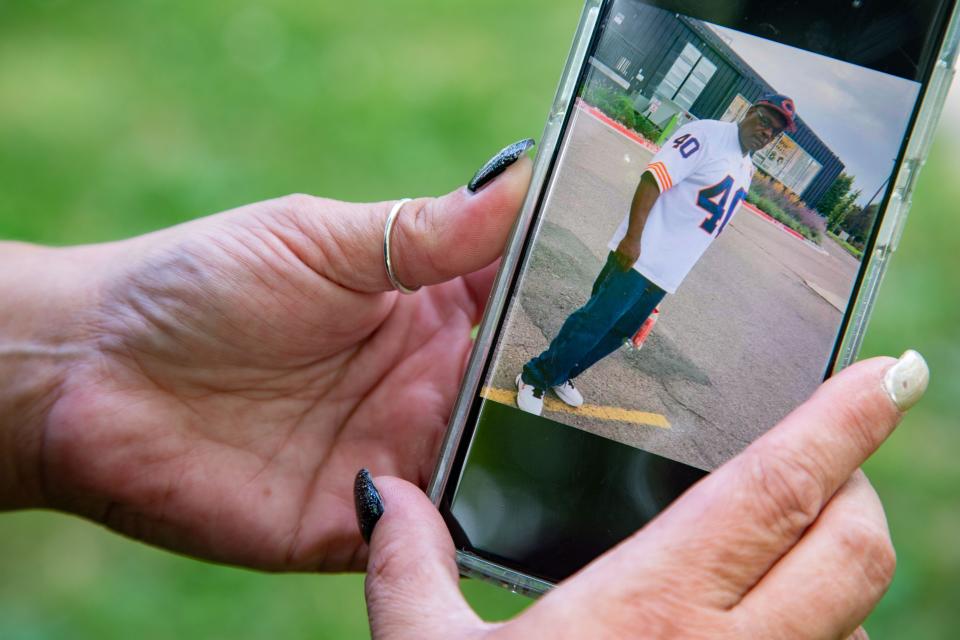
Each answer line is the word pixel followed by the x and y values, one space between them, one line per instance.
pixel 627 253
pixel 787 540
pixel 236 371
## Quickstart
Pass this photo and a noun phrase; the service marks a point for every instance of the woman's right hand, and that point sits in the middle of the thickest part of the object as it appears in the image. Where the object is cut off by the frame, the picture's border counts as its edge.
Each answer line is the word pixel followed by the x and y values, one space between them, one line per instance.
pixel 787 540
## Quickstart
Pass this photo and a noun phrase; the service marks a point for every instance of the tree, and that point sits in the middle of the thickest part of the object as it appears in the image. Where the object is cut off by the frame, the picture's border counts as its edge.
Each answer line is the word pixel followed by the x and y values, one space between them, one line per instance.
pixel 839 190
pixel 859 222
pixel 842 210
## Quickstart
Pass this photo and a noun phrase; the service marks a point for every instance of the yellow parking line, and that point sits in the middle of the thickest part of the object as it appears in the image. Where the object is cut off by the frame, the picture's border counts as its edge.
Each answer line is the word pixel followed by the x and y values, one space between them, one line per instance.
pixel 509 396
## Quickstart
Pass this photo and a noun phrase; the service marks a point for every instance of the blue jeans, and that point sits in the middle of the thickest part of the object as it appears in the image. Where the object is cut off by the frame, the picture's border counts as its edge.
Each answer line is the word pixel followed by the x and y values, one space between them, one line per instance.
pixel 618 305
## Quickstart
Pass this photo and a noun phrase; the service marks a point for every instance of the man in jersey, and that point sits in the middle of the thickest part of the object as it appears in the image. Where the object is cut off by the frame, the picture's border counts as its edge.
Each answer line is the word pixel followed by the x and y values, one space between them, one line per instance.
pixel 687 195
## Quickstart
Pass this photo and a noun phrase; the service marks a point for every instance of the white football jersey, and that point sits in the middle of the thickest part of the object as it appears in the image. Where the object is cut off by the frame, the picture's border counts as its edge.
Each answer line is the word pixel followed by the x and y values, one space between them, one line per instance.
pixel 703 175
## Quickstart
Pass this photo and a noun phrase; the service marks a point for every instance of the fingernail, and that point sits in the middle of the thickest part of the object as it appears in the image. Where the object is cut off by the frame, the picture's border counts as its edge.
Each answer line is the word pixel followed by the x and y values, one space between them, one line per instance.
pixel 499 163
pixel 368 502
pixel 906 381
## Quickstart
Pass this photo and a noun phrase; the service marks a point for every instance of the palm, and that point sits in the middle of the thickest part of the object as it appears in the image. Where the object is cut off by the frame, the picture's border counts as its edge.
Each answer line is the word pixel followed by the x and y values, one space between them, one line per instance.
pixel 235 388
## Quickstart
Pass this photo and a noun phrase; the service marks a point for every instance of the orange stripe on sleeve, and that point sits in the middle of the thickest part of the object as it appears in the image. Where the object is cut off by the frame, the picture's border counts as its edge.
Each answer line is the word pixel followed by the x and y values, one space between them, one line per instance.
pixel 655 170
pixel 666 174
pixel 663 176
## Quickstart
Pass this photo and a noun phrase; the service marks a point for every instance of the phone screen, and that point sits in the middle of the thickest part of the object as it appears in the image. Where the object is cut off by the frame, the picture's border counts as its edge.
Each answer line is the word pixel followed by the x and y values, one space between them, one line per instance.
pixel 697 244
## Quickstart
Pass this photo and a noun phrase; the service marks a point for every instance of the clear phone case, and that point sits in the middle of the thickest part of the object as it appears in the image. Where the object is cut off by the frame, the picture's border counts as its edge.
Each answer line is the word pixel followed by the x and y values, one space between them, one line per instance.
pixel 895 215
pixel 885 243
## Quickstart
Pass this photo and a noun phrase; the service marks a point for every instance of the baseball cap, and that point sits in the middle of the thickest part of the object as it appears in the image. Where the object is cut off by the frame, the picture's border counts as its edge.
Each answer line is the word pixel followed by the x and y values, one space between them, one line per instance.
pixel 782 105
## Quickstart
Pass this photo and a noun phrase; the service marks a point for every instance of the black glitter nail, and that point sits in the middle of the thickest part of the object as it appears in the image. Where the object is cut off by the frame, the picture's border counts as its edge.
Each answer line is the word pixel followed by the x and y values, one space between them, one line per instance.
pixel 368 502
pixel 499 163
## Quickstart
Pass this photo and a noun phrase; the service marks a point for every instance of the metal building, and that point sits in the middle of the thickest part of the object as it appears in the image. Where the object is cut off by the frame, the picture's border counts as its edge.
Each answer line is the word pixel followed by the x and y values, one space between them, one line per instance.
pixel 672 64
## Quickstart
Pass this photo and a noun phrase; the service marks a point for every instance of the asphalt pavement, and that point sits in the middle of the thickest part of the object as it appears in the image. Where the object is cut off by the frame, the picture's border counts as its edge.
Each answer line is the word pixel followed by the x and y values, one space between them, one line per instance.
pixel 746 338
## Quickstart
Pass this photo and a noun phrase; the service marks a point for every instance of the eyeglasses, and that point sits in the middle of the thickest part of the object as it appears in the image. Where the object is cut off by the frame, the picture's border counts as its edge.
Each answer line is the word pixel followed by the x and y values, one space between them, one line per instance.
pixel 767 123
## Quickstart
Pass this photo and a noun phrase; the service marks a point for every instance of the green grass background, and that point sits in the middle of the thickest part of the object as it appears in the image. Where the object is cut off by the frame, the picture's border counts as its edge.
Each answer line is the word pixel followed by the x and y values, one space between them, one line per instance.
pixel 121 117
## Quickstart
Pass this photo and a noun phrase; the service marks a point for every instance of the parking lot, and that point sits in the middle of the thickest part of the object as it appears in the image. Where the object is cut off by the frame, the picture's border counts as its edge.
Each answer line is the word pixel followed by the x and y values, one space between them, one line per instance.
pixel 746 337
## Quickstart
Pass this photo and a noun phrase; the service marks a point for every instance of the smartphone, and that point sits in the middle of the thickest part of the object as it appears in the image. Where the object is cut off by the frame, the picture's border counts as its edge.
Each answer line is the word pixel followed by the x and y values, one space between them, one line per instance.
pixel 717 193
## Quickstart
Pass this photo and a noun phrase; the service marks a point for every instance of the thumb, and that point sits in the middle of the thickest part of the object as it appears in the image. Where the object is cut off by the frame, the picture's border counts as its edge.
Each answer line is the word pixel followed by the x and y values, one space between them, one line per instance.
pixel 412 584
pixel 433 239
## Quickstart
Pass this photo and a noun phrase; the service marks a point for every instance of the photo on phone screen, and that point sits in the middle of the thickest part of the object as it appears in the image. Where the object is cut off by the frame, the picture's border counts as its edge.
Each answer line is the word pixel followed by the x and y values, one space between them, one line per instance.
pixel 685 281
pixel 747 257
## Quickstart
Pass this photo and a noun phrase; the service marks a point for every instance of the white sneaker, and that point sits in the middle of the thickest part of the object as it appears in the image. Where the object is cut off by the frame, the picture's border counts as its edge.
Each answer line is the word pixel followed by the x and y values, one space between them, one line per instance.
pixel 529 398
pixel 569 394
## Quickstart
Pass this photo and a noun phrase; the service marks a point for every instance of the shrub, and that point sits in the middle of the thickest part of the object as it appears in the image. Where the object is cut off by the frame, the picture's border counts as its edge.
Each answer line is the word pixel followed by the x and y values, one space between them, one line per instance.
pixel 775 211
pixel 616 104
pixel 788 207
pixel 856 252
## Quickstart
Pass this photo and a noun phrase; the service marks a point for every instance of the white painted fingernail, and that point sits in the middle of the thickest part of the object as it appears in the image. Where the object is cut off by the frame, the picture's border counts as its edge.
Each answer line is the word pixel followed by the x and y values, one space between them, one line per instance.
pixel 906 381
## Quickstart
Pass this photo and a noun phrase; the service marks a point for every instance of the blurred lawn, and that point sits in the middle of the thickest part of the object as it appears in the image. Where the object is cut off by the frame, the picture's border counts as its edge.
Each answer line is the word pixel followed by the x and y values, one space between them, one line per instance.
pixel 121 117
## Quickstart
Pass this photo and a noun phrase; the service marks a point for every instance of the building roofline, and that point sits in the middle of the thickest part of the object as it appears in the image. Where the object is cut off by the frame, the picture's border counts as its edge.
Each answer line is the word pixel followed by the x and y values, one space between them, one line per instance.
pixel 715 41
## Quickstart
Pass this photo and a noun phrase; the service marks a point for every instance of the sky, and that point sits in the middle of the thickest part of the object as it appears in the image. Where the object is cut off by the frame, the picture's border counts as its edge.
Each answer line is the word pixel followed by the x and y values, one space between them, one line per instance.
pixel 859 113
pixel 950 122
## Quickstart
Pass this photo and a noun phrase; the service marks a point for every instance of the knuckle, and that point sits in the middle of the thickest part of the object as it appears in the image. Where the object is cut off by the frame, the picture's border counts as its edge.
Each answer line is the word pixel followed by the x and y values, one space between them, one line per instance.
pixel 419 230
pixel 394 568
pixel 788 490
pixel 297 203
pixel 693 623
pixel 664 605
pixel 859 634
pixel 296 213
pixel 411 225
pixel 869 543
pixel 386 567
pixel 423 218
pixel 863 418
pixel 860 420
